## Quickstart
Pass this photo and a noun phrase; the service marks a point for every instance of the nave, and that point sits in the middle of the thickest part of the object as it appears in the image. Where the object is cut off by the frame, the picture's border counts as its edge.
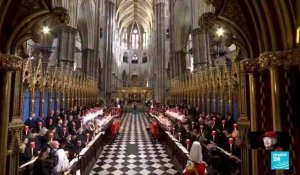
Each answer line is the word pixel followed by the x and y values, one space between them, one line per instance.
pixel 133 152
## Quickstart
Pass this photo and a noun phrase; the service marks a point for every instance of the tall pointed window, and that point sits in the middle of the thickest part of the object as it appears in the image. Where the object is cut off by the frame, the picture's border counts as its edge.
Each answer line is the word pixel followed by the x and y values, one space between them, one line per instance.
pixel 124 39
pixel 145 40
pixel 135 39
pixel 134 59
pixel 189 55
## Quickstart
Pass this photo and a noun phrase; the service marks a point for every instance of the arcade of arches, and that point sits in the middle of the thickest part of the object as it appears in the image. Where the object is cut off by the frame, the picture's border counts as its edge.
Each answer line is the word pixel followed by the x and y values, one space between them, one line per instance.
pixel 205 60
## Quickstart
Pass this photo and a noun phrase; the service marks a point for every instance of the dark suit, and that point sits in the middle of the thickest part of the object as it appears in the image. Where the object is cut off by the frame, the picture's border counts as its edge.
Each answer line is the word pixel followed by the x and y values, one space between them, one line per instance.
pixel 60 132
pixel 40 167
pixel 48 125
pixel 229 124
pixel 37 123
pixel 30 122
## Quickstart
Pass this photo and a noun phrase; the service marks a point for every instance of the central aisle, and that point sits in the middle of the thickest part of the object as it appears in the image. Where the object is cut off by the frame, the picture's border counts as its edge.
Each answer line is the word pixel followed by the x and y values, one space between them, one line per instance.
pixel 133 152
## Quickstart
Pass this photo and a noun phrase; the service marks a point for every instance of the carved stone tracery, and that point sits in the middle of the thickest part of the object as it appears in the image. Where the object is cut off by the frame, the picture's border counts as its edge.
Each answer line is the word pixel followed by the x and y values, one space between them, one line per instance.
pixel 10 62
pixel 270 59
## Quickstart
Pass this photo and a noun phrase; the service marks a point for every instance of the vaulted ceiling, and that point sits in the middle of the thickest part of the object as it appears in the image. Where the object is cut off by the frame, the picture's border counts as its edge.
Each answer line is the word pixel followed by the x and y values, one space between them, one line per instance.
pixel 135 11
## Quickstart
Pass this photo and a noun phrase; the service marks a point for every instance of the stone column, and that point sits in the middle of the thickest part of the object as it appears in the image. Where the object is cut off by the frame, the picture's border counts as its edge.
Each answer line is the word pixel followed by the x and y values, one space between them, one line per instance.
pixel 66 46
pixel 200 47
pixel 108 49
pixel 160 51
pixel 275 93
pixel 180 64
pixel 11 123
pixel 171 35
pixel 87 61
pixel 243 122
pixel 253 116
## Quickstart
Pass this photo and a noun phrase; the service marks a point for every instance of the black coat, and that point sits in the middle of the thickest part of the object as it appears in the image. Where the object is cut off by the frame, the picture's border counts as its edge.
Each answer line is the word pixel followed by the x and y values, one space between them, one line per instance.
pixel 30 122
pixel 40 167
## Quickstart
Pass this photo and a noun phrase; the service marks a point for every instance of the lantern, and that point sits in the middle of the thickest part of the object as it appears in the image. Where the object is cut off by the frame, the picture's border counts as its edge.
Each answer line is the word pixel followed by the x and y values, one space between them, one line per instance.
pixel 235 126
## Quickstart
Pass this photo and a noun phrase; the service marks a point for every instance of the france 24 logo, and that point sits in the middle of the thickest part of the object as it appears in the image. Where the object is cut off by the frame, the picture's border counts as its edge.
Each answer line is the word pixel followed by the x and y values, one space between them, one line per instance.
pixel 280 160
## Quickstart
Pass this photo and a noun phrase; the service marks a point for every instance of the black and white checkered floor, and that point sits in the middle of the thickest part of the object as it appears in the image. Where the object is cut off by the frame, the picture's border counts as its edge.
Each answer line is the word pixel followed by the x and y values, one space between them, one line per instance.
pixel 133 153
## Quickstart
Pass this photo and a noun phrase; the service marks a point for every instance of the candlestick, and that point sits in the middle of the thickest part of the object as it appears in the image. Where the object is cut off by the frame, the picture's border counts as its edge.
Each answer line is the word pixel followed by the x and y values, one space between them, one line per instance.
pixel 230 141
pixel 51 136
pixel 188 142
pixel 87 137
pixel 179 136
pixel 26 129
pixel 32 145
pixel 213 133
pixel 65 130
pixel 79 143
pixel 223 124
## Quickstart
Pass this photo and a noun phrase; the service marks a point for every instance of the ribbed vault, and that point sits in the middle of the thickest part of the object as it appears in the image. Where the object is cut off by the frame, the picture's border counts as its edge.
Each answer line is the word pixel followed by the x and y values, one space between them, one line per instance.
pixel 135 11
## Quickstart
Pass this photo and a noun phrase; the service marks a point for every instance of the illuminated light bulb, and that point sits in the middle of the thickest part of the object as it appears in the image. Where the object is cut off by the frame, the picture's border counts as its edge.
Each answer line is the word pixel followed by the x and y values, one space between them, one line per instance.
pixel 220 32
pixel 45 30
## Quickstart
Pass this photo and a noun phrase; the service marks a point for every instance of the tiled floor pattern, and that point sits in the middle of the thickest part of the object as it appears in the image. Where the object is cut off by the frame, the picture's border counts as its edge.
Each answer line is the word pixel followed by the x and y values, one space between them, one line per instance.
pixel 133 153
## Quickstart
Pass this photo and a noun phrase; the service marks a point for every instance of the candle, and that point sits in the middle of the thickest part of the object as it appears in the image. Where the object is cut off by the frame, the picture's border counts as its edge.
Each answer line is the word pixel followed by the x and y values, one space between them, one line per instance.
pixel 230 141
pixel 201 129
pixel 87 137
pixel 235 126
pixel 223 123
pixel 40 125
pixel 213 133
pixel 32 145
pixel 65 130
pixel 188 142
pixel 179 136
pixel 26 128
pixel 79 143
pixel 51 135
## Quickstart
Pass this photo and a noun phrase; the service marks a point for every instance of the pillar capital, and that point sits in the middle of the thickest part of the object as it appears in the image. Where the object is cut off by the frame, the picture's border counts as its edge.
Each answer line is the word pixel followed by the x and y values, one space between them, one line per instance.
pixel 207 20
pixel 10 62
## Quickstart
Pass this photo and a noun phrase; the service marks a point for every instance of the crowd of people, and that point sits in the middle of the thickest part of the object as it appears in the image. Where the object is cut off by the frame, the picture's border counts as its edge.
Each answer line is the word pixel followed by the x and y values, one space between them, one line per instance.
pixel 192 127
pixel 55 140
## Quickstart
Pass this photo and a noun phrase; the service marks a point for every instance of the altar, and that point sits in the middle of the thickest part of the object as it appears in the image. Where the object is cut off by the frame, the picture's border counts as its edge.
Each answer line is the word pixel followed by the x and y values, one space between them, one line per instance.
pixel 135 93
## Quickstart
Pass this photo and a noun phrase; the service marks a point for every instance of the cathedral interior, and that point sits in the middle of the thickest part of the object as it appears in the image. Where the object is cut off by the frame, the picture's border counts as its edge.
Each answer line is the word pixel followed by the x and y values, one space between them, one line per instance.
pixel 149 87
